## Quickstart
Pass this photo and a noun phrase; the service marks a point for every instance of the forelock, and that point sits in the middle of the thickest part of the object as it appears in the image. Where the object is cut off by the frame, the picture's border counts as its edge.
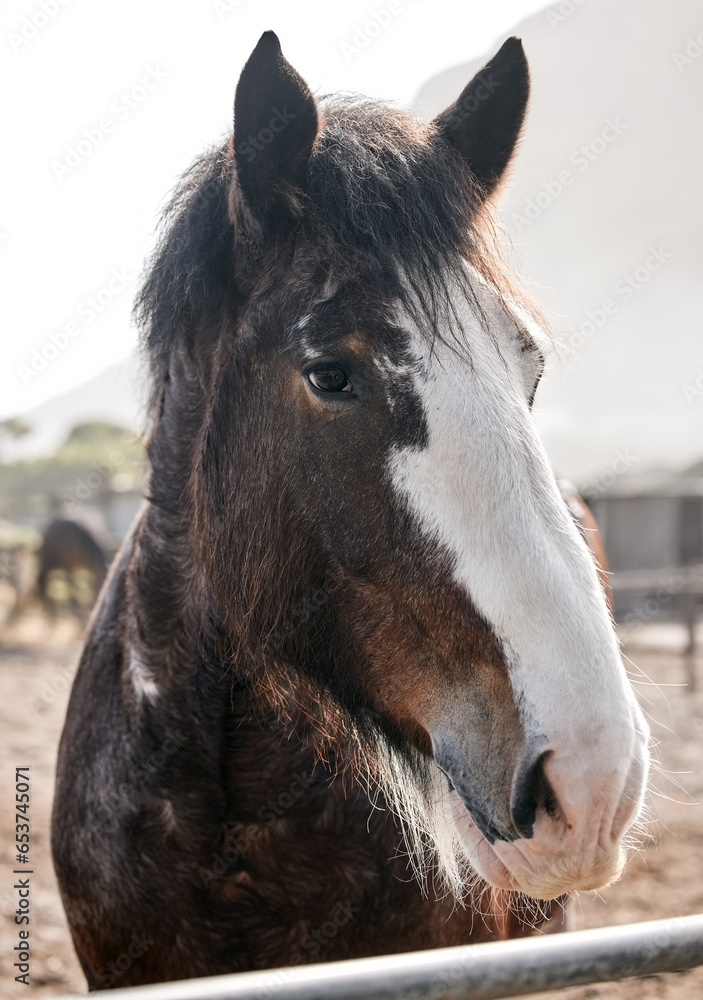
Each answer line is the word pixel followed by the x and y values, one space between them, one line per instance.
pixel 389 204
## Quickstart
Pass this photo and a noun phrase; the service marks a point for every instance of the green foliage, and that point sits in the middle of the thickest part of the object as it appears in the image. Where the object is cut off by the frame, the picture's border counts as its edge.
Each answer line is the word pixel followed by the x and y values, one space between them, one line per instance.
pixel 95 432
pixel 14 427
pixel 95 457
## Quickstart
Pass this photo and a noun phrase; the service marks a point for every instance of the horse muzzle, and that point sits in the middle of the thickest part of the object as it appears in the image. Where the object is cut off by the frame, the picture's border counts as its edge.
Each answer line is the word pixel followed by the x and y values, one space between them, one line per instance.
pixel 551 821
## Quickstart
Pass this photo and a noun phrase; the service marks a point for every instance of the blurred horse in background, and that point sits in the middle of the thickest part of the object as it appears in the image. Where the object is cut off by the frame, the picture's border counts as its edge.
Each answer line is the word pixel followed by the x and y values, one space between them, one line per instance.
pixel 72 567
pixel 586 523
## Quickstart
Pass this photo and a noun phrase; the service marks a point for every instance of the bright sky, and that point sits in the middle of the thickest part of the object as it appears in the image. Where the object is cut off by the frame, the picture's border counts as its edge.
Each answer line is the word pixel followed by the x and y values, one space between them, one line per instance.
pixel 105 103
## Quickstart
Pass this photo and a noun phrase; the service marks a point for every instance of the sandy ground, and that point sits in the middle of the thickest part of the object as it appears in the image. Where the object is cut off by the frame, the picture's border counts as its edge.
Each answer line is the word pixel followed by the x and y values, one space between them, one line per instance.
pixel 36 665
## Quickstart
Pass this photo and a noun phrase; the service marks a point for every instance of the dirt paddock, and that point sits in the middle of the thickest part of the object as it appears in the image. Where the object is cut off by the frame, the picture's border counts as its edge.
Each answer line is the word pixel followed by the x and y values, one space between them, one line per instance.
pixel 37 660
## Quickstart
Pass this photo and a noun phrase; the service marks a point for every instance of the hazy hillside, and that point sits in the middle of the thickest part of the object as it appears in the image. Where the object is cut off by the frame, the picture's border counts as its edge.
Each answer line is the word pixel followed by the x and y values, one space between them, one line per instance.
pixel 116 395
pixel 636 186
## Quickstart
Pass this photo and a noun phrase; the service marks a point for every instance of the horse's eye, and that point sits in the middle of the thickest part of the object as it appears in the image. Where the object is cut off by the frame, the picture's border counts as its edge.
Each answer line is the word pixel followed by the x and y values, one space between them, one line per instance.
pixel 330 379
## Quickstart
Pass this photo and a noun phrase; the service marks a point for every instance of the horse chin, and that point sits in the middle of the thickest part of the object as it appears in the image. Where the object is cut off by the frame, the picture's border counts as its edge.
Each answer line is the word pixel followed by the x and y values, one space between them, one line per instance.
pixel 560 875
pixel 520 866
pixel 481 856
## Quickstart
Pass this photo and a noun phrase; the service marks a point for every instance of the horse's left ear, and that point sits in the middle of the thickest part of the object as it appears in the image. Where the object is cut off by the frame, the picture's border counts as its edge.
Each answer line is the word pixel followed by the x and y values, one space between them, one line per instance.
pixel 275 126
pixel 485 122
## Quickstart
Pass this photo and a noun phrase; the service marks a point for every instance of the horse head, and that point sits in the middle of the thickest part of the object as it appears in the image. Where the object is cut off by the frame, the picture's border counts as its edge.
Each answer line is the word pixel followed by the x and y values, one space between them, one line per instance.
pixel 377 520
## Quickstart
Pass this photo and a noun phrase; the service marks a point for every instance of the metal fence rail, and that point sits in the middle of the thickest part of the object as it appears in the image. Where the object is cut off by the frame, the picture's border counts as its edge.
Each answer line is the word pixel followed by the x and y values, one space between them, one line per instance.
pixel 472 972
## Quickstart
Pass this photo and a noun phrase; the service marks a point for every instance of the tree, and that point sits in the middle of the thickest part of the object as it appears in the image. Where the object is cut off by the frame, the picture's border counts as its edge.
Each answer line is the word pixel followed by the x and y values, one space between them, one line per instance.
pixel 13 428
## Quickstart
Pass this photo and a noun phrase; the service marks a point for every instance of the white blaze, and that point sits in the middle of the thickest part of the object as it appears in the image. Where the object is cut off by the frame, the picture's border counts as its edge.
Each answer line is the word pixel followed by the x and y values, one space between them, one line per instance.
pixel 484 489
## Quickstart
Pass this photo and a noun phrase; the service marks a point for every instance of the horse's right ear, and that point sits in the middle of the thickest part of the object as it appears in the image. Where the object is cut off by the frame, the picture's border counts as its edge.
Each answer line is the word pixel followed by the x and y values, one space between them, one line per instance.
pixel 275 126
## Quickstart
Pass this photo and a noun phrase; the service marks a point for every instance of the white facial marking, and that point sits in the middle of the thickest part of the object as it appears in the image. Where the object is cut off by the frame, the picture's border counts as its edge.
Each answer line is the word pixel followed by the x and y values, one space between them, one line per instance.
pixel 484 490
pixel 391 372
pixel 329 290
pixel 302 323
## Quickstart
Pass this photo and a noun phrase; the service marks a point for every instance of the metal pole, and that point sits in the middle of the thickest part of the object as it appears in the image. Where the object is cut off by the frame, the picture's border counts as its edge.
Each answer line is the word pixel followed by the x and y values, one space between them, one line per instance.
pixel 472 972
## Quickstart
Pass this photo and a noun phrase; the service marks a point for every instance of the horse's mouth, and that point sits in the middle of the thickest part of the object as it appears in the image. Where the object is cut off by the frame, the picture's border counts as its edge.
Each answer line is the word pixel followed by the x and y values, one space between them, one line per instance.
pixel 478 849
pixel 537 867
pixel 478 816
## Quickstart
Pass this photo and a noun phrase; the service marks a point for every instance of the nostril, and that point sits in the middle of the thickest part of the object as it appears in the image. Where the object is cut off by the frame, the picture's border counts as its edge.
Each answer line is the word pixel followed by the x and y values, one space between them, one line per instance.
pixel 531 792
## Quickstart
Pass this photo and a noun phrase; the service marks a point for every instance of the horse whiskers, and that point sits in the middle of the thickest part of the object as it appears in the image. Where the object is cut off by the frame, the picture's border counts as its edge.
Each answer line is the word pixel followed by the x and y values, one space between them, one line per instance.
pixel 667 798
pixel 637 671
pixel 666 773
pixel 416 795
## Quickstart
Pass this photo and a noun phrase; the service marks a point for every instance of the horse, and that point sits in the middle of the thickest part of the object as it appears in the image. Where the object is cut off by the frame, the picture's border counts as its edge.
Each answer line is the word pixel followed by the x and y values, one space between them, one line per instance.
pixel 69 547
pixel 352 687
pixel 586 522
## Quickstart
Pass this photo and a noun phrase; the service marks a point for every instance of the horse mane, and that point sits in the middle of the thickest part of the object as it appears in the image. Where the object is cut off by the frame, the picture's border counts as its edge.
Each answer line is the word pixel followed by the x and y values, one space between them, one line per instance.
pixel 187 273
pixel 387 200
